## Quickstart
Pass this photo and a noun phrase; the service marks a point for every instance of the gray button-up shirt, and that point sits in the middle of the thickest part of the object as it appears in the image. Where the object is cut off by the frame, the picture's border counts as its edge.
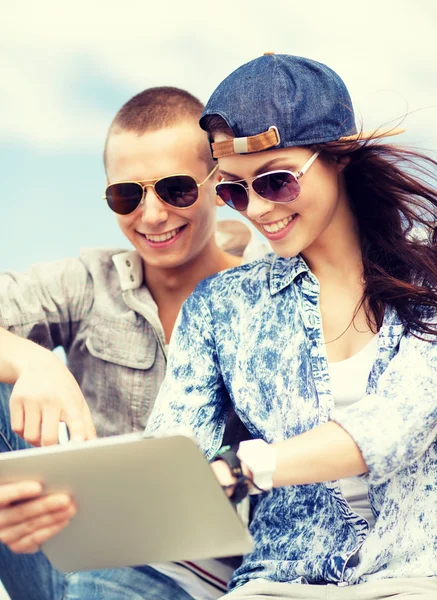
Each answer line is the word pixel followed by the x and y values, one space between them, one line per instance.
pixel 98 308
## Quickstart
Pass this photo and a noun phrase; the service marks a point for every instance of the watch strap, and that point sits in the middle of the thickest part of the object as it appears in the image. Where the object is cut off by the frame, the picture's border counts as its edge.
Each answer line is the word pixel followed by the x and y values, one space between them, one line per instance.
pixel 241 487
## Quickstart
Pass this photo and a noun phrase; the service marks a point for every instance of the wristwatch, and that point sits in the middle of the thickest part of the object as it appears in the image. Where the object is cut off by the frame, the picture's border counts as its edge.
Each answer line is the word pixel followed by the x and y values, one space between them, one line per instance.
pixel 260 457
pixel 241 487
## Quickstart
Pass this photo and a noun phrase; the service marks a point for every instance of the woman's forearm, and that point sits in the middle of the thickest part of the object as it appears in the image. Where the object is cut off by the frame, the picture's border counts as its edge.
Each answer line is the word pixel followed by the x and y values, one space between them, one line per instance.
pixel 324 453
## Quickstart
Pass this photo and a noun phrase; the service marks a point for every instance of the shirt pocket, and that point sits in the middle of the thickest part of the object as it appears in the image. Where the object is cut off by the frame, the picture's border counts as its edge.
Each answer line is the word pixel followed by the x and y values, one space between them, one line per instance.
pixel 133 347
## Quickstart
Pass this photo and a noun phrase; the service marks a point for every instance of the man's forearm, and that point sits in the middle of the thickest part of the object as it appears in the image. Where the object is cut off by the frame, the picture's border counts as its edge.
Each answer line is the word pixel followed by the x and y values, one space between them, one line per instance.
pixel 15 354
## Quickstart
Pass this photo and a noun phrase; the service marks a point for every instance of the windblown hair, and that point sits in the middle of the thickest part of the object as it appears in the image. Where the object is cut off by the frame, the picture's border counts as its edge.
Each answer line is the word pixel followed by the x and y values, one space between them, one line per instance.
pixel 157 108
pixel 393 194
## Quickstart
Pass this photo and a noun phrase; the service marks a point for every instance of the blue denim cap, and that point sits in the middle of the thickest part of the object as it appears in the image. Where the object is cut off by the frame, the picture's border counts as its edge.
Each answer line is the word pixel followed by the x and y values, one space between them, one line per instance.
pixel 306 101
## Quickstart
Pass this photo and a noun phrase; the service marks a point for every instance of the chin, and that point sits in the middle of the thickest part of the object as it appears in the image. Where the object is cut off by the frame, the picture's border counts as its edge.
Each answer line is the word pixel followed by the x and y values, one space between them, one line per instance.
pixel 161 263
pixel 284 252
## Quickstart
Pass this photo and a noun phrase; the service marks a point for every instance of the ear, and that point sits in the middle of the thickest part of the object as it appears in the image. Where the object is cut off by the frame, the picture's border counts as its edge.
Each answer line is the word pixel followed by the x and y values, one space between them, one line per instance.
pixel 342 162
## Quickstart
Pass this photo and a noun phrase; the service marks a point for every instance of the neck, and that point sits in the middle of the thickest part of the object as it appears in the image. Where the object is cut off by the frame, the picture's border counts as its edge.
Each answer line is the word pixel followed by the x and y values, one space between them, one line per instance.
pixel 179 282
pixel 337 252
pixel 336 260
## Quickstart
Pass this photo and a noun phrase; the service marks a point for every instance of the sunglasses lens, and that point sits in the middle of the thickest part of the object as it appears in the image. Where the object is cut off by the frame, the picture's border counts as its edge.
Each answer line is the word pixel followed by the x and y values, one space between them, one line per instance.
pixel 123 198
pixel 179 191
pixel 233 194
pixel 280 186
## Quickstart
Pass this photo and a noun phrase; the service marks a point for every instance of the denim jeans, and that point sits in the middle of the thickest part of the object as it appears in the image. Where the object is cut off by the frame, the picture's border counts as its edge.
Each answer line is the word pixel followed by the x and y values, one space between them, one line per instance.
pixel 32 577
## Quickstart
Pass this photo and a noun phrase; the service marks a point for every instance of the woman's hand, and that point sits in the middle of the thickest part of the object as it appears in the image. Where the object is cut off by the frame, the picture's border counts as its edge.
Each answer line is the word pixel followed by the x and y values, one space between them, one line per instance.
pixel 28 518
pixel 225 478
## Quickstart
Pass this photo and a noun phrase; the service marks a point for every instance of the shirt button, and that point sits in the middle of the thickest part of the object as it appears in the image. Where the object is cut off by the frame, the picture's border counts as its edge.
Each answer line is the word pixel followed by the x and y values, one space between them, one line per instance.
pixel 128 263
pixel 132 278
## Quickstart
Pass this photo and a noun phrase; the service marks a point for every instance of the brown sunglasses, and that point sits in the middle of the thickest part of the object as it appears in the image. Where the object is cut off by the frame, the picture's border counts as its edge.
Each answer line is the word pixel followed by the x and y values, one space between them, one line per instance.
pixel 178 191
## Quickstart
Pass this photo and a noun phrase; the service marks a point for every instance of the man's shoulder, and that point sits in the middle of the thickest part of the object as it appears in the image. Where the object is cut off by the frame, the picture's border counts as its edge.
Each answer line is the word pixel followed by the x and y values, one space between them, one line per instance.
pixel 99 256
pixel 100 260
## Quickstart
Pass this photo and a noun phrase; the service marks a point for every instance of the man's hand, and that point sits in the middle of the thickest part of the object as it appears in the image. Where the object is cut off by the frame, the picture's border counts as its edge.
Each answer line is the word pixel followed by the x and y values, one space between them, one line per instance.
pixel 28 518
pixel 44 394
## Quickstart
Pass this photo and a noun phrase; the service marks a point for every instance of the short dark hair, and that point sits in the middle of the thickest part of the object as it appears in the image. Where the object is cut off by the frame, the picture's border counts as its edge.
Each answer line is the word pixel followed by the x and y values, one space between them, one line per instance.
pixel 156 108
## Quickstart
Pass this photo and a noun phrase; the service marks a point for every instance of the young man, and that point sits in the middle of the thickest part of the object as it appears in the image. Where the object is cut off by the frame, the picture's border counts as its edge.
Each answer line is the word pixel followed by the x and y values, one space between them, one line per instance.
pixel 113 312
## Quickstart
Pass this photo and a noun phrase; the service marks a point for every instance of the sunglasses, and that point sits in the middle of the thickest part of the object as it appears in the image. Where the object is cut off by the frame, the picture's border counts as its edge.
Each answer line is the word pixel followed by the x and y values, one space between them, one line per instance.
pixel 275 186
pixel 178 191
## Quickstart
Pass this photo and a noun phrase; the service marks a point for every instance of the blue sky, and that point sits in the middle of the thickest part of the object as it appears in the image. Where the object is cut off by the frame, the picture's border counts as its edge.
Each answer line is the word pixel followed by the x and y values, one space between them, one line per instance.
pixel 66 70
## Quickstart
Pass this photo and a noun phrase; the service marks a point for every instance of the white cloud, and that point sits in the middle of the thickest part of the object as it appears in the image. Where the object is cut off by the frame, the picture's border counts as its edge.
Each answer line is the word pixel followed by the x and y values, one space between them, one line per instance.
pixel 383 50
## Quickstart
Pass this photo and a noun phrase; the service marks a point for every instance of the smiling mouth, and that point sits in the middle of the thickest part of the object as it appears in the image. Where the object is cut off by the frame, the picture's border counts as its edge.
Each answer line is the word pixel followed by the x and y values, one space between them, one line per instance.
pixel 279 225
pixel 163 237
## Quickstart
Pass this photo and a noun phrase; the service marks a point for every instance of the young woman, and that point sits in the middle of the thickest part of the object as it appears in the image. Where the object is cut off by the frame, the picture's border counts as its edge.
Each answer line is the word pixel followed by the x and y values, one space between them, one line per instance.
pixel 326 349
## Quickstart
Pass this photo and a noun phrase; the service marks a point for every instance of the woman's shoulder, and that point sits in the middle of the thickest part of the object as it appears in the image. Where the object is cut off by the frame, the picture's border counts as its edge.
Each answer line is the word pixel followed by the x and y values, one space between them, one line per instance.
pixel 249 283
pixel 230 281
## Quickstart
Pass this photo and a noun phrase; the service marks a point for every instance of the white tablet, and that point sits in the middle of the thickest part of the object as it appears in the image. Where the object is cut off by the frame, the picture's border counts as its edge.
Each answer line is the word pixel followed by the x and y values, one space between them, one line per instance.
pixel 140 500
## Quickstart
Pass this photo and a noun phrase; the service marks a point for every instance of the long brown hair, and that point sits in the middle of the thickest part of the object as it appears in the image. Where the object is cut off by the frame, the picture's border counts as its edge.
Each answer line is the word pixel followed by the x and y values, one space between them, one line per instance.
pixel 393 194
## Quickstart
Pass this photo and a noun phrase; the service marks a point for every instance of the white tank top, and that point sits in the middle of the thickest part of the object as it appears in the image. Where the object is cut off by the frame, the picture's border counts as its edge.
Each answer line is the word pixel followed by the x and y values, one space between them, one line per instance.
pixel 349 382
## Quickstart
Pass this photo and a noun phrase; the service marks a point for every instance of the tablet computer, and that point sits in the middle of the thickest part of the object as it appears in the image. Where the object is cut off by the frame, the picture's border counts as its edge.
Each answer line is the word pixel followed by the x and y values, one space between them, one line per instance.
pixel 140 500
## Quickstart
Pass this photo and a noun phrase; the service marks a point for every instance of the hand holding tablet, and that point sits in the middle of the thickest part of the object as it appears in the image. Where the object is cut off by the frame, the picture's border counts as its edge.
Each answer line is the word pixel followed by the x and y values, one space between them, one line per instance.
pixel 139 501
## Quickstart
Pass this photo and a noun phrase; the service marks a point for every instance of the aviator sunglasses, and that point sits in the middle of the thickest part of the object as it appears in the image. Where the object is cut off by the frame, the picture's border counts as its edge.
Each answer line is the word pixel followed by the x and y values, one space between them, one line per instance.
pixel 178 191
pixel 276 186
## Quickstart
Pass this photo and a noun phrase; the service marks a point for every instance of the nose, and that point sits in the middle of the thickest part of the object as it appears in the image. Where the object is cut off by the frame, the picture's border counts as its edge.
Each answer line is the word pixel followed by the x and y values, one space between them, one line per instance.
pixel 154 211
pixel 258 207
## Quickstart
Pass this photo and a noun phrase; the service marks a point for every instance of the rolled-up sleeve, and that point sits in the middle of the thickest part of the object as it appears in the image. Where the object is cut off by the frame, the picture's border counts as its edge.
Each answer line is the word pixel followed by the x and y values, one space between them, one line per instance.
pixel 397 424
pixel 193 395
pixel 47 302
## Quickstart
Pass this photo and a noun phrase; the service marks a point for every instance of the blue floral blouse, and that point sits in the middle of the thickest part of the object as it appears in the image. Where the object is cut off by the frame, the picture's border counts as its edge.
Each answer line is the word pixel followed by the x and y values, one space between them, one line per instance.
pixel 252 336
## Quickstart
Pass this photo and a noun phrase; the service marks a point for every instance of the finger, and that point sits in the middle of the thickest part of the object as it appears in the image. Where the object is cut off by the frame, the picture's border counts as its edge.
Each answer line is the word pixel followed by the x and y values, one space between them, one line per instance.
pixel 17 414
pixel 15 533
pixel 14 492
pixel 32 543
pixel 30 509
pixel 90 430
pixel 76 425
pixel 50 425
pixel 223 474
pixel 32 423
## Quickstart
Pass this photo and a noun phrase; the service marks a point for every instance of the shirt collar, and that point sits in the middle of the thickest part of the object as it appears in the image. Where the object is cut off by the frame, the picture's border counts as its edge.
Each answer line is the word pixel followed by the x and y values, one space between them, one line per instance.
pixel 129 267
pixel 284 271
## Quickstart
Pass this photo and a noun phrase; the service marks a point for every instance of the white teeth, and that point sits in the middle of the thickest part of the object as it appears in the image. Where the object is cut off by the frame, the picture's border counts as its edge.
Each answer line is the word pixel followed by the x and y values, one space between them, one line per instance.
pixel 163 237
pixel 279 225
